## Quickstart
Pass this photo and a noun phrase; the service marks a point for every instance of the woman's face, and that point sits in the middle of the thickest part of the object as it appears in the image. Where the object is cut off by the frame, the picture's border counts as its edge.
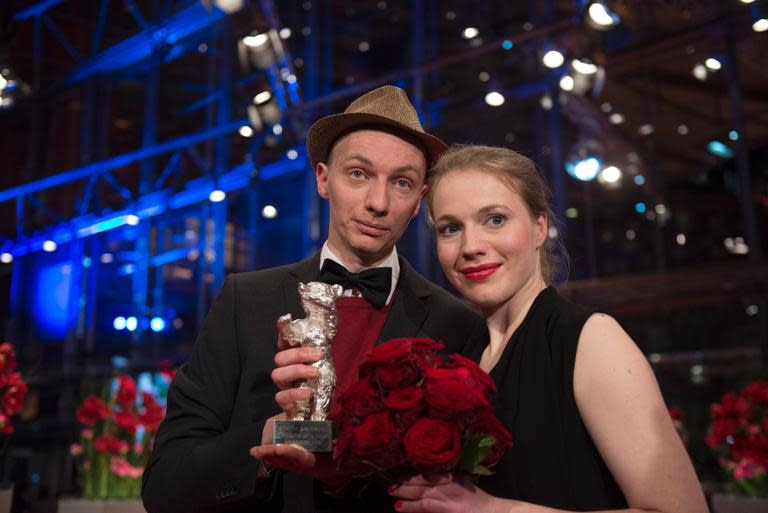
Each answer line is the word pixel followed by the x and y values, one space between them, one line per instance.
pixel 488 243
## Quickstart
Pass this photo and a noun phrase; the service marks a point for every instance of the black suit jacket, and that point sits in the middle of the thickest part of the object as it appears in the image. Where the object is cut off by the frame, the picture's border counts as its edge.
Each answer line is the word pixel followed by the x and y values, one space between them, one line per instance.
pixel 220 399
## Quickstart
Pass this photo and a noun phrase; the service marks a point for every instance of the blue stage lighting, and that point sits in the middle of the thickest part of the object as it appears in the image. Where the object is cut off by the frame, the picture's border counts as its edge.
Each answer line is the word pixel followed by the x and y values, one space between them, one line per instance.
pixel 131 323
pixel 719 149
pixel 50 312
pixel 157 324
pixel 119 323
pixel 585 169
pixel 640 207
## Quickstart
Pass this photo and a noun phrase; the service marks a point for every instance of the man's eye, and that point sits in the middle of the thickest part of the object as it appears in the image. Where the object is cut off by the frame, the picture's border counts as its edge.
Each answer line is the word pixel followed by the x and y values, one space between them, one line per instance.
pixel 403 183
pixel 447 229
pixel 356 173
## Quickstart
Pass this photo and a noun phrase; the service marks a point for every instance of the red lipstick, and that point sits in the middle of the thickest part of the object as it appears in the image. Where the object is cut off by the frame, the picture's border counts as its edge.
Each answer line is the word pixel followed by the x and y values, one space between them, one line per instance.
pixel 479 272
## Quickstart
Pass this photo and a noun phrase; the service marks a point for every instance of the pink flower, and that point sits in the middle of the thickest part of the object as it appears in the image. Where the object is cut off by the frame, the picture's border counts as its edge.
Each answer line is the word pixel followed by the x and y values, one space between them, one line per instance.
pixel 87 434
pixel 121 468
pixel 76 449
pixel 747 469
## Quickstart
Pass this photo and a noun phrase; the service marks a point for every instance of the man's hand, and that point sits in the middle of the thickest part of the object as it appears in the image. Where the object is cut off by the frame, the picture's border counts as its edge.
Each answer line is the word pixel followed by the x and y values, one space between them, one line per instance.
pixel 293 365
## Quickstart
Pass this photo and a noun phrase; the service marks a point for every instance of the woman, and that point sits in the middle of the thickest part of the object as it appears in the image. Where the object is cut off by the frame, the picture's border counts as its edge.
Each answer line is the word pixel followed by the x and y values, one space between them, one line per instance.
pixel 591 431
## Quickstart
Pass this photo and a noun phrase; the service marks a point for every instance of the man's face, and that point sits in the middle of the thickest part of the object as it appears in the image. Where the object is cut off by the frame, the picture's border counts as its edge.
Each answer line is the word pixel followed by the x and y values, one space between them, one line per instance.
pixel 374 182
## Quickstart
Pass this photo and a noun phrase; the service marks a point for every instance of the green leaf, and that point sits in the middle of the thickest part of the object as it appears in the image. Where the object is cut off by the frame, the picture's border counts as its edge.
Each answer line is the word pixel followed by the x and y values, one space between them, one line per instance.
pixel 474 452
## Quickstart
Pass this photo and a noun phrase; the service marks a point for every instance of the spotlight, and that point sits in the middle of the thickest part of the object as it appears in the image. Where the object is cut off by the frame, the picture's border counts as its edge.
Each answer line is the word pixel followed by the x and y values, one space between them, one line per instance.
pixel 49 246
pixel 263 110
pixel 217 195
pixel 260 49
pixel 132 220
pixel 616 118
pixel 759 19
pixel 585 170
pixel 292 154
pixel 470 32
pixel 131 323
pixel 713 64
pixel 586 77
pixel 157 324
pixel 6 258
pixel 700 72
pixel 12 89
pixel 119 323
pixel 609 175
pixel 494 99
pixel 566 83
pixel 601 15
pixel 269 212
pixel 719 149
pixel 553 59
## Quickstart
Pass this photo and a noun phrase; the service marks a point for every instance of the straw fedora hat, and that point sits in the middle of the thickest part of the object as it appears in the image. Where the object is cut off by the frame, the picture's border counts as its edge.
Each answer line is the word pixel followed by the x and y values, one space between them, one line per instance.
pixel 387 107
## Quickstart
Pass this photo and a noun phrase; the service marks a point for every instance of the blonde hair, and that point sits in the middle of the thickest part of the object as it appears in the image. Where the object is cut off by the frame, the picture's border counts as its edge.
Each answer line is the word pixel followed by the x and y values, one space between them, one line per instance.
pixel 520 174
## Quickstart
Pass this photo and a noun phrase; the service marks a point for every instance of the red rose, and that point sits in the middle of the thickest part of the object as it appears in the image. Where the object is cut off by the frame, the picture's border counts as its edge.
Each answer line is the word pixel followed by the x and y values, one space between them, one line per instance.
pixel 477 374
pixel 361 399
pixel 453 397
pixel 407 404
pixel 486 423
pixel 126 392
pixel 432 445
pixel 399 348
pixel 92 411
pixel 342 453
pixel 396 375
pixel 376 440
pixel 126 420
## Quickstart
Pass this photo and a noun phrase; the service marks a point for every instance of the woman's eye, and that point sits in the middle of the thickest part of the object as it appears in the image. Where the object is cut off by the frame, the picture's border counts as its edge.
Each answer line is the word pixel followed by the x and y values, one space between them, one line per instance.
pixel 496 220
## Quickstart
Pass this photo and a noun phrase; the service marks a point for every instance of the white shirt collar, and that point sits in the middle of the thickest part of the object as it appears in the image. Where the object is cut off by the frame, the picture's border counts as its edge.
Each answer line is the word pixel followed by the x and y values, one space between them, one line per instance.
pixel 389 261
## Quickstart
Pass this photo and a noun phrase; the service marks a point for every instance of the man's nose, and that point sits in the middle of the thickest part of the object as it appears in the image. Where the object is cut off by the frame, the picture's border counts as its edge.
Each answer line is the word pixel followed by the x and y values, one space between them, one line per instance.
pixel 377 199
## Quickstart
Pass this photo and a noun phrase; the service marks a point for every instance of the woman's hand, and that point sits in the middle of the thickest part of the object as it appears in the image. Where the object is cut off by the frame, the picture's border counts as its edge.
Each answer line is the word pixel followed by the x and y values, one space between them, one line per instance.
pixel 443 494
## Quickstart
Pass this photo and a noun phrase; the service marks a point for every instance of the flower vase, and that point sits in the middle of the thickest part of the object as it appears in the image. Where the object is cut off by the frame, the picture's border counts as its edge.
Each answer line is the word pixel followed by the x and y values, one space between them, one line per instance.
pixel 72 505
pixel 730 503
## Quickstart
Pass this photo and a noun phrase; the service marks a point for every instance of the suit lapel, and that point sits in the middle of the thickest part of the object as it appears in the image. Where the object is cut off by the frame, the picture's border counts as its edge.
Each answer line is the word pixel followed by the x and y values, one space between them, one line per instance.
pixel 408 311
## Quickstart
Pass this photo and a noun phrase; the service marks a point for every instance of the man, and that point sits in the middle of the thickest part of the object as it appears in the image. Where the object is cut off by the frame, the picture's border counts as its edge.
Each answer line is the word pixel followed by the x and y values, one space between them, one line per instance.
pixel 371 163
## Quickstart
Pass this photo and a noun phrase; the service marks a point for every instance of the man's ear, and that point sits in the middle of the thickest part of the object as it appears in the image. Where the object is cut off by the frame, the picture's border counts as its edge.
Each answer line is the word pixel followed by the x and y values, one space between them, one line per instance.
pixel 424 189
pixel 321 173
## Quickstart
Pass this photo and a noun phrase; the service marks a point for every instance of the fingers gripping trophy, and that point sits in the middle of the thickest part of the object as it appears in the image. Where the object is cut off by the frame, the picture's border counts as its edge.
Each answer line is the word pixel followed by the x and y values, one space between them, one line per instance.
pixel 311 428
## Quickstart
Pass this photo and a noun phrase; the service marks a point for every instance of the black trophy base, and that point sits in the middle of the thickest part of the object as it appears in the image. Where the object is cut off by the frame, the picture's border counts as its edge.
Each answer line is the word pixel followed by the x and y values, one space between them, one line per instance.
pixel 313 435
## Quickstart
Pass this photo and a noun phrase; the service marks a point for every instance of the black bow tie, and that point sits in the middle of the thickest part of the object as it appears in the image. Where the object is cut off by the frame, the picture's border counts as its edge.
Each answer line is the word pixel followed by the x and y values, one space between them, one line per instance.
pixel 374 284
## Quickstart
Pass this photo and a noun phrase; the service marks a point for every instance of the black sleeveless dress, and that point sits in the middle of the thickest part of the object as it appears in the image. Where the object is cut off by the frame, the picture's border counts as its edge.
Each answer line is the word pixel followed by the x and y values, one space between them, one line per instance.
pixel 554 461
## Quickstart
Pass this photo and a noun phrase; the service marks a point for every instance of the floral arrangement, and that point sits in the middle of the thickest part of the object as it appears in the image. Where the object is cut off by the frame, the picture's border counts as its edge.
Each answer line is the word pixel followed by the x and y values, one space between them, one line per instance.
pixel 12 388
pixel 116 437
pixel 412 412
pixel 739 435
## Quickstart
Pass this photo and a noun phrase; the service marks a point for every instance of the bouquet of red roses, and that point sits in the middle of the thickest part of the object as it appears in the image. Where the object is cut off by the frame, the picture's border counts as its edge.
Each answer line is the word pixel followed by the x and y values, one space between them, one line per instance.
pixel 412 412
pixel 739 434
